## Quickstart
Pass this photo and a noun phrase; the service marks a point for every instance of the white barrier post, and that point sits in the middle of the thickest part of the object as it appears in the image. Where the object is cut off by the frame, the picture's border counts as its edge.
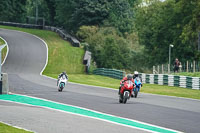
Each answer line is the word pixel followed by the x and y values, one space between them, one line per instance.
pixel 1 47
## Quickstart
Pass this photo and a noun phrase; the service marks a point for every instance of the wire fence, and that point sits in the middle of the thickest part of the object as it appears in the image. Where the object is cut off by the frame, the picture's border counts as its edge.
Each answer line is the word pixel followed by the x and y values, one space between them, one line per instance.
pixel 189 66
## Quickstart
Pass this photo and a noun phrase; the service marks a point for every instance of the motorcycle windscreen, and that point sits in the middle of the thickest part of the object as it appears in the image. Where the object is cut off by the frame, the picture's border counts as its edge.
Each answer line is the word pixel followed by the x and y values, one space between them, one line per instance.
pixel 130 83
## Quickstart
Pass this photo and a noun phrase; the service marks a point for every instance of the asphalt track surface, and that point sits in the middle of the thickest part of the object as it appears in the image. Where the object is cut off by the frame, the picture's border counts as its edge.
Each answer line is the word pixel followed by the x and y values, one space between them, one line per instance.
pixel 25 61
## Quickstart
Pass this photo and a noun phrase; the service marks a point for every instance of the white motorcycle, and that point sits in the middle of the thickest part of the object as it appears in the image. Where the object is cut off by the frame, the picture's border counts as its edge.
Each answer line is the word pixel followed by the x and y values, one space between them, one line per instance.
pixel 62 83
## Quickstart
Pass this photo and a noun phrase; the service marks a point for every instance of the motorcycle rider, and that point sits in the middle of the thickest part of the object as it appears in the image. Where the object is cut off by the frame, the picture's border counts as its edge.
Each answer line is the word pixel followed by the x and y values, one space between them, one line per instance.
pixel 60 75
pixel 128 77
pixel 136 74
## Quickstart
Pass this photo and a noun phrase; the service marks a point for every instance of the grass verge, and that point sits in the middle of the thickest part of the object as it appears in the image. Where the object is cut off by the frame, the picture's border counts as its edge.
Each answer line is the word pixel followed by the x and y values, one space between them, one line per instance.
pixel 147 88
pixel 92 80
pixel 4 51
pixel 61 55
pixel 9 129
pixel 196 74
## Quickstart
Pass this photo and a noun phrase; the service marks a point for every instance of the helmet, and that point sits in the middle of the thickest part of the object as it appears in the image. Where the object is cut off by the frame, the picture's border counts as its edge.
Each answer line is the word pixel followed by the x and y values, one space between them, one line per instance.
pixel 136 73
pixel 64 72
pixel 129 76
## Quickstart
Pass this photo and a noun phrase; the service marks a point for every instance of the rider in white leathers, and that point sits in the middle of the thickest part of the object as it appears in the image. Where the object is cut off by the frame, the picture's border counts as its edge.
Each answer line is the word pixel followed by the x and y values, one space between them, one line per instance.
pixel 60 75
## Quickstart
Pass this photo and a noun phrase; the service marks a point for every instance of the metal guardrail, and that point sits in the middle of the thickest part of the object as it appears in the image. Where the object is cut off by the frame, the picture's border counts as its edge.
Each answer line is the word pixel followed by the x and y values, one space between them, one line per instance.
pixel 62 33
pixel 113 73
pixel 161 79
pixel 66 36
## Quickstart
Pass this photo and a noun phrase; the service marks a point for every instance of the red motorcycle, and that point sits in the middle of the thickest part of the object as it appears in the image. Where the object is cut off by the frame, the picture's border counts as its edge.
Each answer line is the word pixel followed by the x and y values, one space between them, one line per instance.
pixel 126 91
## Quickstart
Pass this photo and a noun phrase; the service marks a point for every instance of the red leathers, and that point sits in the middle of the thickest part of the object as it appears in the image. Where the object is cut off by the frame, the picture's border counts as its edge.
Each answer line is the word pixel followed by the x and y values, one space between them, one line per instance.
pixel 126 79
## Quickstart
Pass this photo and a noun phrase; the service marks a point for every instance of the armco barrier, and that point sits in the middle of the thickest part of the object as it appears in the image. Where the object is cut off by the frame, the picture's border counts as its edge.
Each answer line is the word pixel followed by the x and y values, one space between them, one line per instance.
pixel 172 80
pixel 62 33
pixel 161 79
pixel 113 73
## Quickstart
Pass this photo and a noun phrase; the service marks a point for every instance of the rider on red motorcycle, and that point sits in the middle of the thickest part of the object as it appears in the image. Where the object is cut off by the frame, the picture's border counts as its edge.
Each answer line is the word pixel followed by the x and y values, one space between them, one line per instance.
pixel 128 77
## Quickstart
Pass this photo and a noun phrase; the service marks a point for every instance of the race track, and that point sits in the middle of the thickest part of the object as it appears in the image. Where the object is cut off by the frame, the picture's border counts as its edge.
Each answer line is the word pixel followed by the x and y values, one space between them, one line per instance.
pixel 26 59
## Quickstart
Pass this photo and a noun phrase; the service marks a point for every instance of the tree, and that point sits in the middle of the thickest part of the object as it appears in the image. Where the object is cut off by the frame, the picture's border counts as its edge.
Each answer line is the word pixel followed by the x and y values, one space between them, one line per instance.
pixel 12 10
pixel 109 50
pixel 170 22
pixel 191 29
pixel 64 11
pixel 90 12
pixel 121 15
pixel 43 11
pixel 51 5
pixel 73 14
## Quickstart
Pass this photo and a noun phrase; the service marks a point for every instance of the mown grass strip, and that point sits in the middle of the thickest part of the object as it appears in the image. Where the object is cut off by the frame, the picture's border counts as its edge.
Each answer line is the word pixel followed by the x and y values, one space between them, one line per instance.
pixel 61 55
pixel 191 74
pixel 9 129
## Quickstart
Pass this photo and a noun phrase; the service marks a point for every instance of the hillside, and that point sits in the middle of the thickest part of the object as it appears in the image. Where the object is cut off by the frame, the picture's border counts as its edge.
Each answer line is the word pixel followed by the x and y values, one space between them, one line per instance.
pixel 67 57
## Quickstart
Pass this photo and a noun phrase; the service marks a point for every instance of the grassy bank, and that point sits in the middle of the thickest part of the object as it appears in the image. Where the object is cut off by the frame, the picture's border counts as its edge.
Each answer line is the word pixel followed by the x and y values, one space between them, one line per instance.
pixel 9 129
pixel 62 56
pixel 4 51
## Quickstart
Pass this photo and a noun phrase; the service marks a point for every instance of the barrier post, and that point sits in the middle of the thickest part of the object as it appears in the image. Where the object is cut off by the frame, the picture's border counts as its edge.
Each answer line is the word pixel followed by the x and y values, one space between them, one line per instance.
pixel 1 88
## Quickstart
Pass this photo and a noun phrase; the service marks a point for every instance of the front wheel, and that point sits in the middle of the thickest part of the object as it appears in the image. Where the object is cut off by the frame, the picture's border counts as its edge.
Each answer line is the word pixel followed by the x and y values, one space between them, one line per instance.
pixel 125 97
pixel 125 100
pixel 135 92
pixel 120 98
pixel 61 87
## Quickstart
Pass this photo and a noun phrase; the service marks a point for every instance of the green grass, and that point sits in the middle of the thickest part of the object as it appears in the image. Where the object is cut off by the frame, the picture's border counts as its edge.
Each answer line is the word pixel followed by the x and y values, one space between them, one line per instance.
pixel 96 80
pixel 196 74
pixel 62 56
pixel 4 51
pixel 9 129
pixel 147 88
pixel 171 91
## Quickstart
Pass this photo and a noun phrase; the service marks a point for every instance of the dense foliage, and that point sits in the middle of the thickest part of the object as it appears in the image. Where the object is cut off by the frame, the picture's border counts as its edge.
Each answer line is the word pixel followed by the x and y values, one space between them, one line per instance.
pixel 121 34
pixel 12 10
pixel 108 49
pixel 171 22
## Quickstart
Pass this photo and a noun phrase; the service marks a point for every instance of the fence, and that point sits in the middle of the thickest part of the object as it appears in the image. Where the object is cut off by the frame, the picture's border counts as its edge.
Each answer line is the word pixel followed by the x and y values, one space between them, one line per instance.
pixel 172 80
pixel 160 79
pixel 113 73
pixel 189 66
pixel 60 31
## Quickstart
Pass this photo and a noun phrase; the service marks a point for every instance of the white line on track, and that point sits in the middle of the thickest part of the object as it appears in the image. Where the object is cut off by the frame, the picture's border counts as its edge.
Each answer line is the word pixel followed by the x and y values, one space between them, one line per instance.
pixel 6 52
pixel 17 126
pixel 92 117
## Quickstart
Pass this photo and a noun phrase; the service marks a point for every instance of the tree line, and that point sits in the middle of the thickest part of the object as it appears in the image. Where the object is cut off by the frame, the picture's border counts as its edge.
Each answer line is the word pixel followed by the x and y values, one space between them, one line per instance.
pixel 121 34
